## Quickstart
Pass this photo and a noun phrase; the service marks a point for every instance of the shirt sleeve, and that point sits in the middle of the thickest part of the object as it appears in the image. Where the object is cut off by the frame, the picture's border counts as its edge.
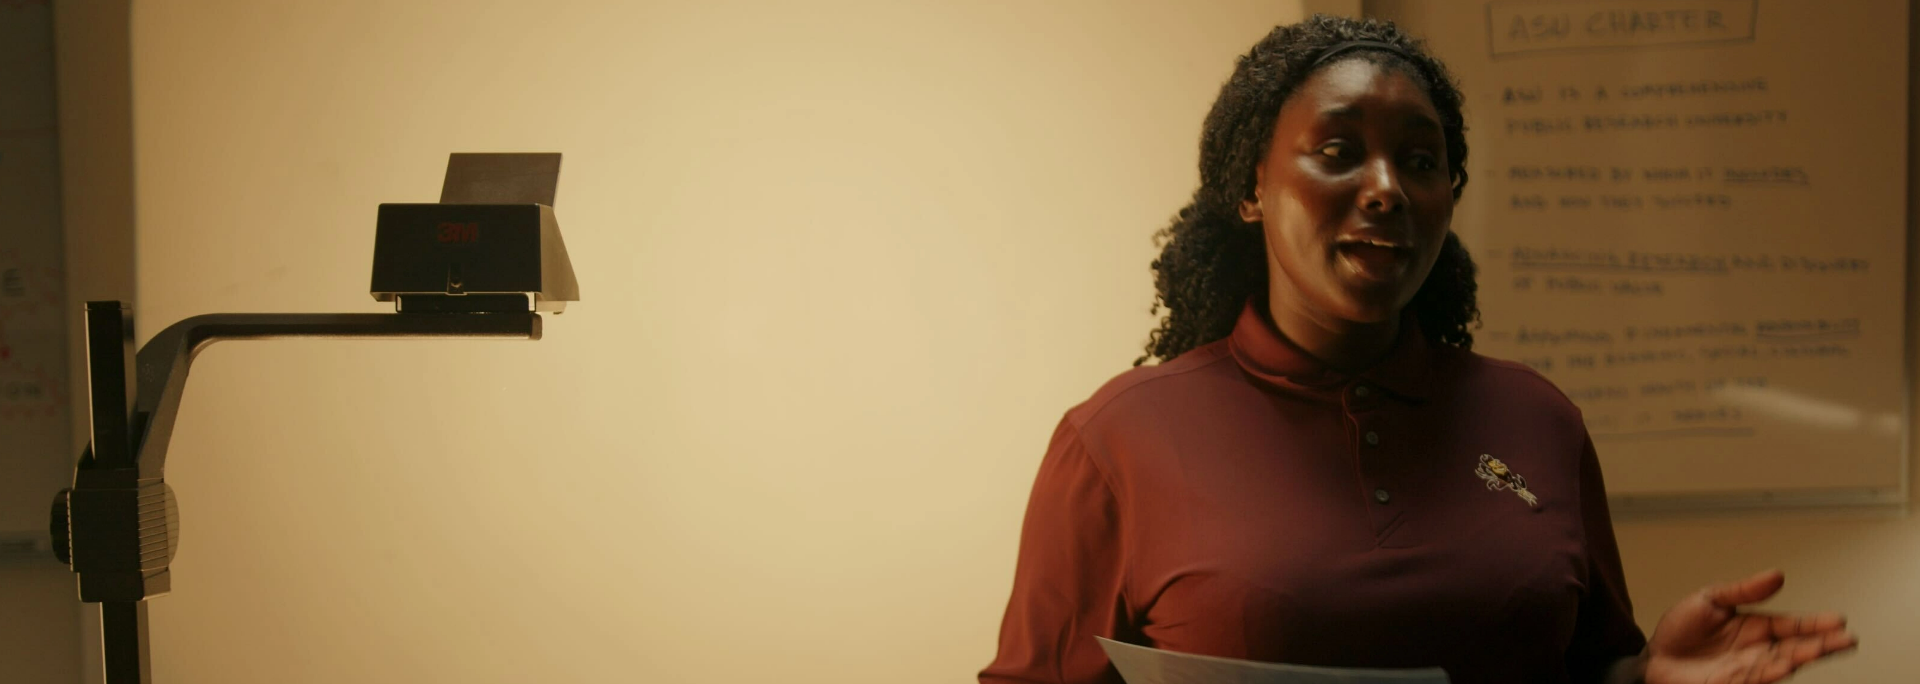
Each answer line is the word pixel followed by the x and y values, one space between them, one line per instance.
pixel 1067 581
pixel 1605 631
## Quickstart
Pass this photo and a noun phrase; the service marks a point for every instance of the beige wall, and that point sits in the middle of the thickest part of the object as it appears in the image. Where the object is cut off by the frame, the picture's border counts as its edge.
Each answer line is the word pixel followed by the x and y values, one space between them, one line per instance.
pixel 844 265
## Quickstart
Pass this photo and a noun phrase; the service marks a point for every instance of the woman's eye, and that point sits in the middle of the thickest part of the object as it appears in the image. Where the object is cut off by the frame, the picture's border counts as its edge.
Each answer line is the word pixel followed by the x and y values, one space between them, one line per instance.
pixel 1423 162
pixel 1336 150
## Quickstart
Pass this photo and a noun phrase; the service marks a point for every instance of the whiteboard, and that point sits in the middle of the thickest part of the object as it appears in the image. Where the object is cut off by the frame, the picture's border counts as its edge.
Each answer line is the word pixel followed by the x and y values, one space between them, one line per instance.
pixel 36 453
pixel 1690 215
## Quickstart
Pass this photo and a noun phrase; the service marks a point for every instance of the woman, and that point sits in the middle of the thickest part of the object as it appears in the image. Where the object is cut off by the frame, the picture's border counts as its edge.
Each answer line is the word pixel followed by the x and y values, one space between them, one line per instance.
pixel 1320 471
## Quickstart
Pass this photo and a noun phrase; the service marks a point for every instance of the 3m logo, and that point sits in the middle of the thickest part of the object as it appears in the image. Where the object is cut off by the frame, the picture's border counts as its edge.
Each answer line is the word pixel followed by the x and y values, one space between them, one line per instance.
pixel 459 232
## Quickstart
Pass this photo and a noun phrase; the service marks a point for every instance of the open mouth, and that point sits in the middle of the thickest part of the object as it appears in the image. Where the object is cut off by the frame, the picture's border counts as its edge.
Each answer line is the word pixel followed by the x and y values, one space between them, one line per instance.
pixel 1375 259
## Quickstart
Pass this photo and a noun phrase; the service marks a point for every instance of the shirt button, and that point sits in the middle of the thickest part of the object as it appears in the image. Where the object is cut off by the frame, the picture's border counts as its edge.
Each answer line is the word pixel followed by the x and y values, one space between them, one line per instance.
pixel 1373 438
pixel 1361 391
pixel 1381 495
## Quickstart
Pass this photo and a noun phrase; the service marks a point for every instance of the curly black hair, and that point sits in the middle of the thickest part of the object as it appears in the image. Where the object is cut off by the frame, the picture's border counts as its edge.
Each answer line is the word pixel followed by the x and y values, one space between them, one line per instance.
pixel 1211 261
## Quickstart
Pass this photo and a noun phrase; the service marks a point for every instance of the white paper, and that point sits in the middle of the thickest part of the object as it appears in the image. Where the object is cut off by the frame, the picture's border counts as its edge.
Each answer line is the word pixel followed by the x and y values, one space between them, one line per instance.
pixel 1143 665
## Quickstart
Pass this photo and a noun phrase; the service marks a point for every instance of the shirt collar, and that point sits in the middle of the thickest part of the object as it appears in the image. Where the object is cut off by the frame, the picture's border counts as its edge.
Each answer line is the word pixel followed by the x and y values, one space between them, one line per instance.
pixel 1269 356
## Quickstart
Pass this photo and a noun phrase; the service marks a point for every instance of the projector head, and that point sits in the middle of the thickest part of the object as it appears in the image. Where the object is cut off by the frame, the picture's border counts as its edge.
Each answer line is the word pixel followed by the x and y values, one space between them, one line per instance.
pixel 490 245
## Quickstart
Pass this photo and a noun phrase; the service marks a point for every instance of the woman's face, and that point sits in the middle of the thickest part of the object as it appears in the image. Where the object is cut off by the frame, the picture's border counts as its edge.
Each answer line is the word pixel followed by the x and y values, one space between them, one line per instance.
pixel 1353 195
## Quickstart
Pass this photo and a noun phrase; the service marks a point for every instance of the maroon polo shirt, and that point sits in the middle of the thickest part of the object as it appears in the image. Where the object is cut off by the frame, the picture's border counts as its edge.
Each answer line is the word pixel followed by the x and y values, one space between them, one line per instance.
pixel 1245 501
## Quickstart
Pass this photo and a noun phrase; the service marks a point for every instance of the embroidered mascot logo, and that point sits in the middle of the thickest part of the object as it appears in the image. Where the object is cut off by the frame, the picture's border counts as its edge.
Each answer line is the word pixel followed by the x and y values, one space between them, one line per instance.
pixel 1499 477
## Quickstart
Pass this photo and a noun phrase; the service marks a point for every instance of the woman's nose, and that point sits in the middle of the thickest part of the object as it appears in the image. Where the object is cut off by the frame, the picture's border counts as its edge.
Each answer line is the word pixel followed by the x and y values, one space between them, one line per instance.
pixel 1380 191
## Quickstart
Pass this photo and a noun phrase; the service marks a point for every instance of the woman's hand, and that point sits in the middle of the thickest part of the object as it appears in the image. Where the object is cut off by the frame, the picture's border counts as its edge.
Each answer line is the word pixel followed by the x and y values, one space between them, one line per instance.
pixel 1704 640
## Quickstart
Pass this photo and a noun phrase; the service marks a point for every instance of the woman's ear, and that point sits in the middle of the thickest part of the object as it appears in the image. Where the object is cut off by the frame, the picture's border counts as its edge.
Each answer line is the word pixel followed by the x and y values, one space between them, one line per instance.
pixel 1250 210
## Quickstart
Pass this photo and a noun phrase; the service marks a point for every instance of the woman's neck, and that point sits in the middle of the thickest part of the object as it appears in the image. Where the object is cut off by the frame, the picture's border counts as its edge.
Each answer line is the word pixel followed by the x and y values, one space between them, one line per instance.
pixel 1346 346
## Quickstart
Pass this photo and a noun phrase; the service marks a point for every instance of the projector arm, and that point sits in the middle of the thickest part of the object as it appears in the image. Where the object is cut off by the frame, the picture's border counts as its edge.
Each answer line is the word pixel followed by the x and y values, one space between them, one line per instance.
pixel 118 525
pixel 164 360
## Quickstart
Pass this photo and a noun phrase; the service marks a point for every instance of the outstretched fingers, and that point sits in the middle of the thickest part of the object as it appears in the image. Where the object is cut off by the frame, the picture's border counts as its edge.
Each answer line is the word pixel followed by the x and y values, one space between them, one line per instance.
pixel 1782 626
pixel 1806 649
pixel 1773 661
pixel 1753 589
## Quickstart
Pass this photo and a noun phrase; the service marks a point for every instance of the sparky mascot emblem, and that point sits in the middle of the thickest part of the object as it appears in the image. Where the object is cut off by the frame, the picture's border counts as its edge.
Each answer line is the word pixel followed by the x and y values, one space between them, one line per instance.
pixel 1498 477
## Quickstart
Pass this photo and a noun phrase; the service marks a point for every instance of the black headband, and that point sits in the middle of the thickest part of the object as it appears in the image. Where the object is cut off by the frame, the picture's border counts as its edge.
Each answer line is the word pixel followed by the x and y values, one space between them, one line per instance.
pixel 1352 45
